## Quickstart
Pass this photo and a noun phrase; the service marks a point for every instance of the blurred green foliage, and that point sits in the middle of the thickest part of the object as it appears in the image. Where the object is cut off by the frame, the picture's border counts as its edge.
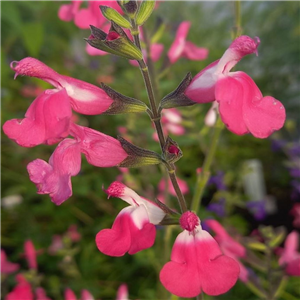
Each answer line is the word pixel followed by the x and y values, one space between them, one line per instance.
pixel 34 29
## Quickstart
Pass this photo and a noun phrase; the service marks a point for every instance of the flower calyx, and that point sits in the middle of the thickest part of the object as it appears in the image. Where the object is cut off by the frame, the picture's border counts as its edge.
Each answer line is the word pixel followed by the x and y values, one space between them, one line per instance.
pixel 145 11
pixel 137 157
pixel 115 42
pixel 122 104
pixel 177 98
pixel 112 15
pixel 129 7
pixel 172 151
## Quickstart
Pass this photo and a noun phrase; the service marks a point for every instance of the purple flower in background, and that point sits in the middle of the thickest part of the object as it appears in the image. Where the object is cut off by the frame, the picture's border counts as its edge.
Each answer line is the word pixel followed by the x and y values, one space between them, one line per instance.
pixel 218 207
pixel 277 145
pixel 294 151
pixel 218 181
pixel 258 209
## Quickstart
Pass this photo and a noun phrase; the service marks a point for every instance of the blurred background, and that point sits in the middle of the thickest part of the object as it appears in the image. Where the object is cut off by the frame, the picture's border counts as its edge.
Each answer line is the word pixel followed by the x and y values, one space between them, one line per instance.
pixel 33 29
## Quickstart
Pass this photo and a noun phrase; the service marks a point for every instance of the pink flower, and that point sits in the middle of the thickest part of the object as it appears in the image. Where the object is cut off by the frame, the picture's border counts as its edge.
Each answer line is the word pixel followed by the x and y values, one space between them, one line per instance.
pixel 54 178
pixel 46 121
pixel 99 149
pixel 7 267
pixel 155 54
pixel 70 295
pixel 122 293
pixel 290 258
pixel 229 246
pixel 133 229
pixel 171 119
pixel 197 263
pixel 73 233
pixel 182 184
pixel 295 211
pixel 183 48
pixel 67 12
pixel 84 97
pixel 92 15
pixel 211 116
pixel 56 245
pixel 41 294
pixel 242 106
pixel 21 291
pixel 30 254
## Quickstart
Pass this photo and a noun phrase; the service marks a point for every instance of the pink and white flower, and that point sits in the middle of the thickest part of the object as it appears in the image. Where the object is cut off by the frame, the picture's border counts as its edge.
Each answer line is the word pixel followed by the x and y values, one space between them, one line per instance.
pixel 47 120
pixel 84 97
pixel 7 267
pixel 133 229
pixel 54 178
pixel 100 150
pixel 183 48
pixel 229 246
pixel 289 257
pixel 197 263
pixel 242 107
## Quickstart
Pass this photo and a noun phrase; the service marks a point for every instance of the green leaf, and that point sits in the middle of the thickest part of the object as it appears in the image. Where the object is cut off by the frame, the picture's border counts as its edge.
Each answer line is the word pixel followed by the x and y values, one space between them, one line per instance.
pixel 33 36
pixel 112 15
pixel 144 12
pixel 257 246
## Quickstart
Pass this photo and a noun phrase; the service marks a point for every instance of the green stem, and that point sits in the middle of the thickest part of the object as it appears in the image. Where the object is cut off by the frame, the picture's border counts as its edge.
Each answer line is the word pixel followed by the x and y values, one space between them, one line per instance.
pixel 204 175
pixel 238 19
pixel 155 115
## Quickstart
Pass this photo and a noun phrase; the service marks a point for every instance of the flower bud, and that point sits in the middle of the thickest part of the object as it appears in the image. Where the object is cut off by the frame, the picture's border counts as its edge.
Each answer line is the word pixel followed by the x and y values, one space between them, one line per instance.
pixel 122 104
pixel 115 42
pixel 137 157
pixel 144 12
pixel 177 98
pixel 129 7
pixel 171 151
pixel 112 15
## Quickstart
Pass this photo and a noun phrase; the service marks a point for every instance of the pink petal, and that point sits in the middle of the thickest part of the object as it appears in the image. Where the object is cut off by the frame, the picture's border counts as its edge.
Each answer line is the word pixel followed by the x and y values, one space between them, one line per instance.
pixel 233 248
pixel 84 97
pixel 131 232
pixel 67 12
pixel 182 184
pixel 41 294
pixel 30 254
pixel 55 178
pixel 122 293
pixel 7 267
pixel 100 149
pixel 198 264
pixel 293 267
pixel 156 51
pixel 192 52
pixel 243 108
pixel 86 295
pixel 46 121
pixel 116 241
pixel 21 291
pixel 94 51
pixel 69 295
pixel 202 87
pixel 178 45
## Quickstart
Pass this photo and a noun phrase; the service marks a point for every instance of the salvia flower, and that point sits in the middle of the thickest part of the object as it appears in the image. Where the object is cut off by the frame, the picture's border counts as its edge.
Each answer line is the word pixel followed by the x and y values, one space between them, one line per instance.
pixel 197 263
pixel 21 291
pixel 84 97
pixel 229 246
pixel 133 229
pixel 183 48
pixel 54 177
pixel 30 254
pixel 7 267
pixel 290 258
pixel 242 107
